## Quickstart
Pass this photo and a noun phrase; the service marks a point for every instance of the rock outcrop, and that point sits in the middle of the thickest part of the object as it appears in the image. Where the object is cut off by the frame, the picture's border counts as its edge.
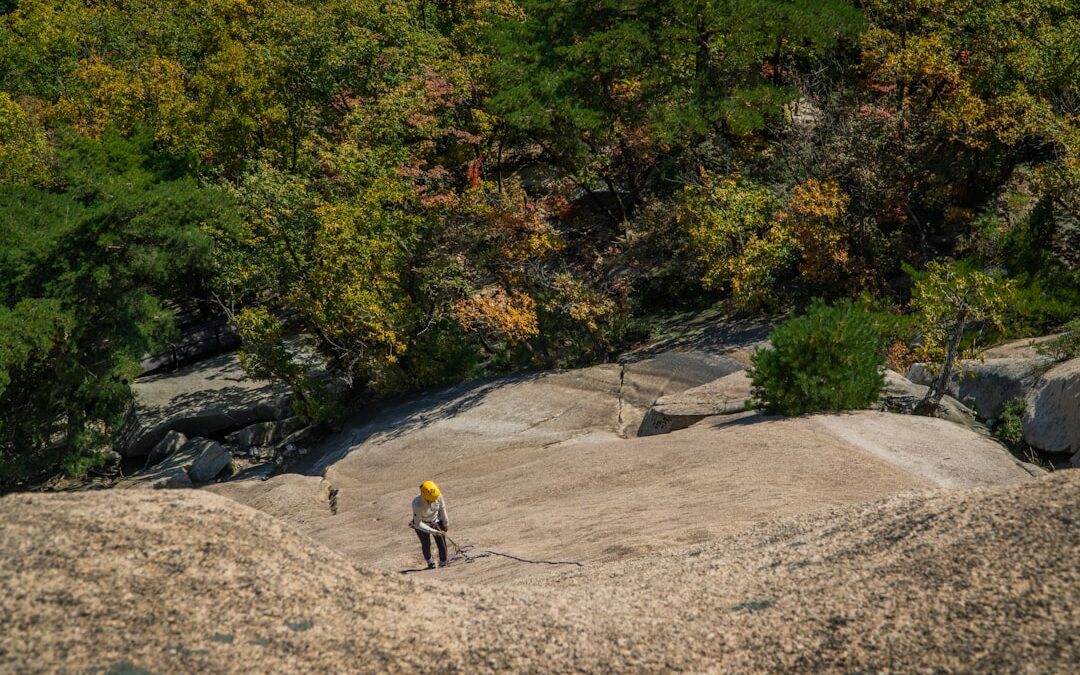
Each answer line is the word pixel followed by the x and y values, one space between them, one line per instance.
pixel 1052 420
pixel 987 385
pixel 166 447
pixel 732 394
pixel 1024 348
pixel 1016 370
pixel 643 381
pixel 210 458
pixel 903 394
pixel 538 466
pixel 170 477
pixel 199 460
pixel 264 434
pixel 723 396
pixel 204 399
pixel 185 581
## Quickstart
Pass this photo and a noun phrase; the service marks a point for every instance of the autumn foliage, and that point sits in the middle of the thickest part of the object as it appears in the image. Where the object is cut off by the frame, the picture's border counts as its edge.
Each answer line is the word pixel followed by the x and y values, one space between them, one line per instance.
pixel 427 191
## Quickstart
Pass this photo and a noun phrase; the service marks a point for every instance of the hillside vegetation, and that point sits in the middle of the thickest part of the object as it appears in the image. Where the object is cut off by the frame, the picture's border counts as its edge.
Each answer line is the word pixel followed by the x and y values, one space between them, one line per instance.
pixel 435 190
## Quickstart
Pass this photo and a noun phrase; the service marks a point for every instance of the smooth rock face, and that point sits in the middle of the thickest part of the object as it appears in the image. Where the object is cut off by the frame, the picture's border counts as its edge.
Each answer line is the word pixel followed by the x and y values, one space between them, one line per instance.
pixel 538 467
pixel 173 441
pixel 203 399
pixel 210 457
pixel 1023 348
pixel 723 396
pixel 171 477
pixel 948 455
pixel 1052 420
pixel 187 582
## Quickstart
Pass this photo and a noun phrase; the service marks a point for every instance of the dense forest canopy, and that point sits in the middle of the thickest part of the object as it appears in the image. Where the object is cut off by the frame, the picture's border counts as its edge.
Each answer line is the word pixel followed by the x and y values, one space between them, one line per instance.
pixel 431 190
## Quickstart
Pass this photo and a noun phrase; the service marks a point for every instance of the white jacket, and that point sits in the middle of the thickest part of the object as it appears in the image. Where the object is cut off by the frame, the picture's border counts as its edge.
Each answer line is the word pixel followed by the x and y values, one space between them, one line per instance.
pixel 427 513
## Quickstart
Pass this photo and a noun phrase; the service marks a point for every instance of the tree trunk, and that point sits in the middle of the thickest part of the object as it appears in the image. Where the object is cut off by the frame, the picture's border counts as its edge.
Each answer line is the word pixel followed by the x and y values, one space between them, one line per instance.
pixel 929 405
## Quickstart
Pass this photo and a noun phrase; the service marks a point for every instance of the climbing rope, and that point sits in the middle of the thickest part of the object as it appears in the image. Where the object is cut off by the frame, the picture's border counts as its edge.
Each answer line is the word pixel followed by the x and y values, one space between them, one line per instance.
pixel 468 554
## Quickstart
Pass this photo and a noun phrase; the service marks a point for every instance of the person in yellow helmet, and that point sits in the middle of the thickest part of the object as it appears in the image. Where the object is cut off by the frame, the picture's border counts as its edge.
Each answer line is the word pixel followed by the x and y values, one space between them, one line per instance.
pixel 429 513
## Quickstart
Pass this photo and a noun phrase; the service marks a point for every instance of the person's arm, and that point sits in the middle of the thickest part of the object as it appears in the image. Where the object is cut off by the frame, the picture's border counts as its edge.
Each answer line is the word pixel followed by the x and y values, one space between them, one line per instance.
pixel 415 515
pixel 444 519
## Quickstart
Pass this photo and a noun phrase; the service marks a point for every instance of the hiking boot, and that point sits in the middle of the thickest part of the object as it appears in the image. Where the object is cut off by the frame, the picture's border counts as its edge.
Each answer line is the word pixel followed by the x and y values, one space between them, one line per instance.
pixel 431 564
pixel 442 563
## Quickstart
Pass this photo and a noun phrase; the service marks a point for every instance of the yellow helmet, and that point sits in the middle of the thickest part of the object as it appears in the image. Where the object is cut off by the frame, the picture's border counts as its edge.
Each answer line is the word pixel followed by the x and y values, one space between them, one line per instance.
pixel 429 491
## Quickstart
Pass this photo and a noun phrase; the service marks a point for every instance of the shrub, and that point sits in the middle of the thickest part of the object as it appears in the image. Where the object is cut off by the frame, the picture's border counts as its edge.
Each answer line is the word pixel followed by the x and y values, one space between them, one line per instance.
pixel 1065 346
pixel 1010 426
pixel 831 358
pixel 1040 305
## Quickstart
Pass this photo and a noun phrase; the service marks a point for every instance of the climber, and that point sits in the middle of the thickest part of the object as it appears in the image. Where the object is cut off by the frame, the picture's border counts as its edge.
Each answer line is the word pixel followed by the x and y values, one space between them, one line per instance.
pixel 429 515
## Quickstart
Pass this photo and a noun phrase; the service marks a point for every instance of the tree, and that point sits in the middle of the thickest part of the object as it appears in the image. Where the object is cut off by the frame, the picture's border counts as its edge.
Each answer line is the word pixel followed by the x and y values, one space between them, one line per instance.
pixel 23 147
pixel 86 273
pixel 948 299
pixel 831 358
pixel 730 224
pixel 765 250
pixel 973 95
pixel 611 90
pixel 381 252
pixel 226 81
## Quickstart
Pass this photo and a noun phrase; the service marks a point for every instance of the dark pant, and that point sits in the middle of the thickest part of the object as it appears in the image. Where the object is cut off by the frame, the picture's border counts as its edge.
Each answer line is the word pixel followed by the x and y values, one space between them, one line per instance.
pixel 425 545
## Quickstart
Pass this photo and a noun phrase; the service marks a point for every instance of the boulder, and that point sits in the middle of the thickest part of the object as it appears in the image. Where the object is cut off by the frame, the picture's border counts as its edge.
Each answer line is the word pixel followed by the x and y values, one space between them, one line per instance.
pixel 171 477
pixel 253 435
pixel 903 394
pixel 642 382
pixel 263 434
pixel 723 396
pixel 203 399
pixel 986 385
pixel 173 441
pixel 1052 420
pixel 992 383
pixel 210 458
pixel 297 437
pixel 259 472
pixel 921 374
pixel 198 460
pixel 182 458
